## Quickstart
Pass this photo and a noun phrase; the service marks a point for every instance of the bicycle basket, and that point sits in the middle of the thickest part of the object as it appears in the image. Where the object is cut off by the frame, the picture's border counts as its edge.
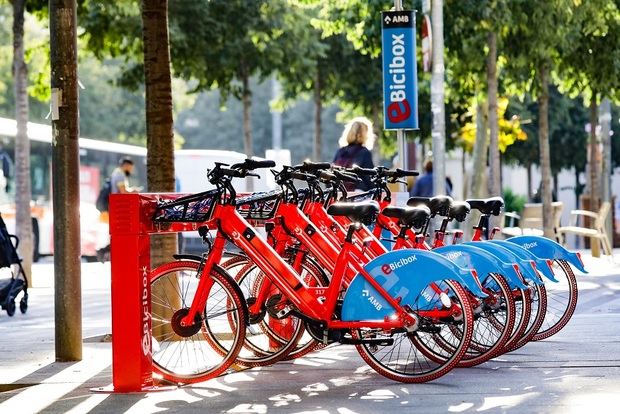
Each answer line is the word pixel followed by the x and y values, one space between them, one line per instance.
pixel 194 208
pixel 259 206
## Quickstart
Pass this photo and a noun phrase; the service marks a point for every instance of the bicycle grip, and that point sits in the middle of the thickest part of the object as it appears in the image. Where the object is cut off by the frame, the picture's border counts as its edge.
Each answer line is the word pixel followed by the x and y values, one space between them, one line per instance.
pixel 363 171
pixel 407 173
pixel 315 166
pixel 254 164
pixel 250 164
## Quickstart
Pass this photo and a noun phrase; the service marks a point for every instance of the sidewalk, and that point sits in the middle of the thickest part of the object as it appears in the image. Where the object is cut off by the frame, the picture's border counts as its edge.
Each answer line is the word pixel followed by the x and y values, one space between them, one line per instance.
pixel 577 370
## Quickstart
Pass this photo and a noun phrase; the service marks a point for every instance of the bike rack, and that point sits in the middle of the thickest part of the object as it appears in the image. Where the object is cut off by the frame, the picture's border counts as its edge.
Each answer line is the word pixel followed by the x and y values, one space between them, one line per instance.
pixel 131 225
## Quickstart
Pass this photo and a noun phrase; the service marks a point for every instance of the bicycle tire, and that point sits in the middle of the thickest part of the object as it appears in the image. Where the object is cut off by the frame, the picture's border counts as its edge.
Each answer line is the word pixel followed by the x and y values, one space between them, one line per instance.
pixel 312 275
pixel 494 328
pixel 491 332
pixel 538 299
pixel 560 305
pixel 209 351
pixel 522 318
pixel 422 372
pixel 261 347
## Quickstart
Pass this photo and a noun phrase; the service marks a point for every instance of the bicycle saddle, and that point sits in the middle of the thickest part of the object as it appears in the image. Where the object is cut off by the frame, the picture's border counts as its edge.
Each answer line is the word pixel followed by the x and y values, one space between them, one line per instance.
pixel 459 211
pixel 362 212
pixel 415 217
pixel 439 205
pixel 492 206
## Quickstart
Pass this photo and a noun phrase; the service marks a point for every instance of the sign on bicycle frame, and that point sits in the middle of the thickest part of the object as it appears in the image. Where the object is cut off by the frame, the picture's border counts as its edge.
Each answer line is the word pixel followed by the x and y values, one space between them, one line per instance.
pixel 400 77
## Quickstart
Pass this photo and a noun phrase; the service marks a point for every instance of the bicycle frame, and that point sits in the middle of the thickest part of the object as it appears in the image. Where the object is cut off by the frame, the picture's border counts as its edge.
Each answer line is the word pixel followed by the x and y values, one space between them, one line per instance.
pixel 318 303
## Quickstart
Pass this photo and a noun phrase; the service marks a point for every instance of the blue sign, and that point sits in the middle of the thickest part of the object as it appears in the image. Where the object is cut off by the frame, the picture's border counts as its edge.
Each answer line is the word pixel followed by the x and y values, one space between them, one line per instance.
pixel 400 74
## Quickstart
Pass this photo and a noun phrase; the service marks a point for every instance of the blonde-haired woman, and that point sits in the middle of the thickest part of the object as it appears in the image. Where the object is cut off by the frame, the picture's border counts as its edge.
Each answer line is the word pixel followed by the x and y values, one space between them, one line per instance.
pixel 356 142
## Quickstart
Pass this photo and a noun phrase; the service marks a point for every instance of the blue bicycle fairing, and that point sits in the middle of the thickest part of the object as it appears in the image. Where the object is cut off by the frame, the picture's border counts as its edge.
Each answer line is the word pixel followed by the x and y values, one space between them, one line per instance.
pixel 548 249
pixel 505 255
pixel 404 274
pixel 541 264
pixel 483 262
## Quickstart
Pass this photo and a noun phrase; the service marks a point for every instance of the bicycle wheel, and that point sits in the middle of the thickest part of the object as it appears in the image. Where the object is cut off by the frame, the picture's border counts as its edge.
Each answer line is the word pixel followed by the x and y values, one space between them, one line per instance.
pixel 402 360
pixel 537 296
pixel 522 318
pixel 206 349
pixel 493 324
pixel 268 338
pixel 561 301
pixel 243 269
pixel 494 319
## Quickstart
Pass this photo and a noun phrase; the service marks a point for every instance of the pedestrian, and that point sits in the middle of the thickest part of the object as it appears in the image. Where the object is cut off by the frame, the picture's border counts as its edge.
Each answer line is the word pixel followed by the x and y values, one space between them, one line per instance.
pixel 118 183
pixel 7 166
pixel 356 141
pixel 119 179
pixel 423 186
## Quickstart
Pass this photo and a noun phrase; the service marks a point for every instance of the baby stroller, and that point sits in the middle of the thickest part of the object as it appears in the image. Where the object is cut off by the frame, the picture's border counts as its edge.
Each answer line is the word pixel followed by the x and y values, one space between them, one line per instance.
pixel 10 288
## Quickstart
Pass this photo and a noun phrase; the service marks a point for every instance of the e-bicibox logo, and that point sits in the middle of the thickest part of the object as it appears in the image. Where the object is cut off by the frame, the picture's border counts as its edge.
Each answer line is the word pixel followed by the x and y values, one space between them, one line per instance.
pixel 400 82
pixel 390 267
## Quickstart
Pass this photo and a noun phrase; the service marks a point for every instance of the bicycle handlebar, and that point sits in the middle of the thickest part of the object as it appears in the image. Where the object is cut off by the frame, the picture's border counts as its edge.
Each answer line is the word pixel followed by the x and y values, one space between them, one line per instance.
pixel 364 171
pixel 343 176
pixel 406 173
pixel 327 176
pixel 310 166
pixel 250 164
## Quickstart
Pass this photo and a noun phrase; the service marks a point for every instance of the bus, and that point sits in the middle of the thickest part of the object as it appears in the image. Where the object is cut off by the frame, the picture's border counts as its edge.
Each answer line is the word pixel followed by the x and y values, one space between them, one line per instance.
pixel 97 161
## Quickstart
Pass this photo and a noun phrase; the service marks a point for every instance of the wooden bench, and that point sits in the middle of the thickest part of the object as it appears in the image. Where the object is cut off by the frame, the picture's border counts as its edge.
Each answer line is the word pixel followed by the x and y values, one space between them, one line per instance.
pixel 596 232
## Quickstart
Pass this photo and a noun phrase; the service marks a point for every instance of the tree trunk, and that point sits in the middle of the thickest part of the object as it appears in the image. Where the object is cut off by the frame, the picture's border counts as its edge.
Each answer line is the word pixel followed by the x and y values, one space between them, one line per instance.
pixel 494 170
pixel 318 109
pixel 606 168
pixel 437 100
pixel 595 191
pixel 480 153
pixel 545 160
pixel 159 125
pixel 23 193
pixel 65 181
pixel 247 124
pixel 577 188
pixel 529 183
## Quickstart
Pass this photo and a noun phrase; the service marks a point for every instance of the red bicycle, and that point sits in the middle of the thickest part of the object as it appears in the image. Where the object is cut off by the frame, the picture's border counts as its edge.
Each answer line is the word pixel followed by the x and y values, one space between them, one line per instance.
pixel 384 330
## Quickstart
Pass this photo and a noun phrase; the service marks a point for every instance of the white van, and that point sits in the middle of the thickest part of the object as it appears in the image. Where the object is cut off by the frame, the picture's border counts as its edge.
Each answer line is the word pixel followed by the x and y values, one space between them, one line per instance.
pixel 191 167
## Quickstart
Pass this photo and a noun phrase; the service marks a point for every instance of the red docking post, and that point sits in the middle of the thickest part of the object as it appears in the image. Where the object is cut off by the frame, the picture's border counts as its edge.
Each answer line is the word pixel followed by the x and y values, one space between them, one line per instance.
pixel 131 225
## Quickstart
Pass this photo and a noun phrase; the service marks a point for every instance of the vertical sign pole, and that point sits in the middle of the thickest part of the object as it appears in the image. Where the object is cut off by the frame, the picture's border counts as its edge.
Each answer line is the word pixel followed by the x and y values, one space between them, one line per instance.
pixel 438 107
pixel 400 84
pixel 401 137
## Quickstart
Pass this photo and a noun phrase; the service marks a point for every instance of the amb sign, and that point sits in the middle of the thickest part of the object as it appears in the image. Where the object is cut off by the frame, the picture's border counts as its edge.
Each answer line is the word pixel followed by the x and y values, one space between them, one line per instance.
pixel 400 77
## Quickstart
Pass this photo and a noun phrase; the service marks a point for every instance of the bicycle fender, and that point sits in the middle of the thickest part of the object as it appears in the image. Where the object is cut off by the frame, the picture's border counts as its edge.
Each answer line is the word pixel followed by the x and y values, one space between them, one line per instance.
pixel 542 264
pixel 549 249
pixel 403 274
pixel 483 262
pixel 508 256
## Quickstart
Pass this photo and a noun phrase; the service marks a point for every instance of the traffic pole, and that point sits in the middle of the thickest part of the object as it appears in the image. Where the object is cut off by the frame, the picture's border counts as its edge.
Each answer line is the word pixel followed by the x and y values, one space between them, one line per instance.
pixel 437 100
